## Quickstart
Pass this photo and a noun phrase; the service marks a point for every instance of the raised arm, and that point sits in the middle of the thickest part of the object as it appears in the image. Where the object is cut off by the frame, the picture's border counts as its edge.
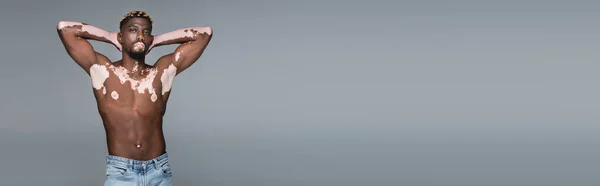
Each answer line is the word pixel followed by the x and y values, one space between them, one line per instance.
pixel 193 41
pixel 74 37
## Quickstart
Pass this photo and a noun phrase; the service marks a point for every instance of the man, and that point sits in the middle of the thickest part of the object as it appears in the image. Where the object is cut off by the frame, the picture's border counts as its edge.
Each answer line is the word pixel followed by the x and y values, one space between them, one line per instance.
pixel 132 95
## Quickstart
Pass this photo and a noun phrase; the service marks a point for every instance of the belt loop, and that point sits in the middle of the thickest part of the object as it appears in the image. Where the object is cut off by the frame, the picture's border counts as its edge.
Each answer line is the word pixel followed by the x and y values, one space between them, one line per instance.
pixel 155 164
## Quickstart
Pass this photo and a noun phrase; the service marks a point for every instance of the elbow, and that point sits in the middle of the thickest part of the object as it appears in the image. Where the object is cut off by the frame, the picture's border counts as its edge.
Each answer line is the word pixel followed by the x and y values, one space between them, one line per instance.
pixel 202 33
pixel 210 31
pixel 61 25
pixel 66 24
pixel 205 30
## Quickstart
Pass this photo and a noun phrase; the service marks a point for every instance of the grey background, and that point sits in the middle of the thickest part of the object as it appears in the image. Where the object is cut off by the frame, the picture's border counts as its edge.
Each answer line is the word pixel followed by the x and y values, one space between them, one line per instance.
pixel 325 93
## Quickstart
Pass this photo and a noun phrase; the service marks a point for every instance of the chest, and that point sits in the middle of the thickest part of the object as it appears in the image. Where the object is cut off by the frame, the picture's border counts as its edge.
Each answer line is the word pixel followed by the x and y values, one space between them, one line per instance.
pixel 130 87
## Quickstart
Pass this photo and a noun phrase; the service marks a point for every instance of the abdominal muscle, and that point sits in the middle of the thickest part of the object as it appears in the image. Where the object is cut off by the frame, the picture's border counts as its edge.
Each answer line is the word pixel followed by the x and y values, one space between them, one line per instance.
pixel 132 136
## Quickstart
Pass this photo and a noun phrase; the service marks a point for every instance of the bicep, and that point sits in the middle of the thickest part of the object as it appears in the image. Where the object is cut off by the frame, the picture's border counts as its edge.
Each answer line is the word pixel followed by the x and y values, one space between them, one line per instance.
pixel 188 53
pixel 79 49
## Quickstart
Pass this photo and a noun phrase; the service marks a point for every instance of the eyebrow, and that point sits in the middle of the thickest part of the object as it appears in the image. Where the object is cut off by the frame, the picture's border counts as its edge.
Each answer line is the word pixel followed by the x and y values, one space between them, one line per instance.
pixel 138 25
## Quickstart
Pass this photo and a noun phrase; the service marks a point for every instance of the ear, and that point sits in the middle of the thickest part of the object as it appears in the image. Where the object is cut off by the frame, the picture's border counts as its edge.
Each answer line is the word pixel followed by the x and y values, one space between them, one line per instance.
pixel 119 38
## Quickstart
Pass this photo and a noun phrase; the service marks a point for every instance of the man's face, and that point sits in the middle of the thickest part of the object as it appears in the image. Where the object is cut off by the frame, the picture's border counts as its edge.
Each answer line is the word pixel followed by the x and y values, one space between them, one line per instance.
pixel 136 36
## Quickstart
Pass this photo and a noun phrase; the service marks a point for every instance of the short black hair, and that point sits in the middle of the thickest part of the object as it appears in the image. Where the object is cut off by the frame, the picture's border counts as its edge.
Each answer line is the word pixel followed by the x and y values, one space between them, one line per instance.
pixel 134 14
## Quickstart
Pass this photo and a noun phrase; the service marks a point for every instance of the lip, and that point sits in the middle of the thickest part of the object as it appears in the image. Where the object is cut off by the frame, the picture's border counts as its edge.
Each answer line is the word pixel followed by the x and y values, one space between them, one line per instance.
pixel 139 44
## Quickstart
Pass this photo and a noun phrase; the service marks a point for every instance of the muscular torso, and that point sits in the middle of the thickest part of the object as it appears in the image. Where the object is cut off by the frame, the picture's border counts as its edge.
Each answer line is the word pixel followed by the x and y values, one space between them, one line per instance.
pixel 131 104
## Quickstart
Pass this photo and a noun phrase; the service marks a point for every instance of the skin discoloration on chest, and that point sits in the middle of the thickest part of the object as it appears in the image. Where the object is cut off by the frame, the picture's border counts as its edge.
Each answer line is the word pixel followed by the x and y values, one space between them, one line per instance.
pixel 114 95
pixel 99 74
pixel 140 85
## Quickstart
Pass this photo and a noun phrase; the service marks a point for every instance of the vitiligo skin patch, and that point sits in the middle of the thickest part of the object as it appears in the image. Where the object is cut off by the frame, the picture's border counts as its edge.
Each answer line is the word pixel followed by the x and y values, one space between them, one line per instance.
pixel 182 33
pixel 177 56
pixel 167 78
pixel 100 73
pixel 114 95
pixel 141 86
pixel 85 28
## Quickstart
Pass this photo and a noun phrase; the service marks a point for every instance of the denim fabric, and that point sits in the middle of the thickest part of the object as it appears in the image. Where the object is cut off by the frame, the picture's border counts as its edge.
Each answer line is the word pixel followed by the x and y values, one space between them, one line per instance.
pixel 128 172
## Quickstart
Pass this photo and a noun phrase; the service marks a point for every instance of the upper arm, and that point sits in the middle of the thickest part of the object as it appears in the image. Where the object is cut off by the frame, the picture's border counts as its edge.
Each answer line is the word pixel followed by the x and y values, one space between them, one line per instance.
pixel 188 53
pixel 79 49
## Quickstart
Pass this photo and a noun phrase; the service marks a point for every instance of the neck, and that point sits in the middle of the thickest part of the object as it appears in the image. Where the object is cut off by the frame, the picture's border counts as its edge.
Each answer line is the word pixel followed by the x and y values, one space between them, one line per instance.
pixel 132 63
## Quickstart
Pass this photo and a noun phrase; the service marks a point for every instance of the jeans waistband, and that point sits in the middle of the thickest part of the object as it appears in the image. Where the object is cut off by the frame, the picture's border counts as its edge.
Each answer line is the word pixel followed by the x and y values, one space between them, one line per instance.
pixel 117 160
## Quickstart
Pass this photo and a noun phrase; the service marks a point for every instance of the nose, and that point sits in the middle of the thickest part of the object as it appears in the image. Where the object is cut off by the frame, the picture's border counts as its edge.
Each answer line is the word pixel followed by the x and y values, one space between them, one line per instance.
pixel 140 37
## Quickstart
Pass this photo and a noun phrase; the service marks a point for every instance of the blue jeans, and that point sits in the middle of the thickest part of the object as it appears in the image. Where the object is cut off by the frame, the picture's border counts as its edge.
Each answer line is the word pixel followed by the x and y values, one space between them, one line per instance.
pixel 126 172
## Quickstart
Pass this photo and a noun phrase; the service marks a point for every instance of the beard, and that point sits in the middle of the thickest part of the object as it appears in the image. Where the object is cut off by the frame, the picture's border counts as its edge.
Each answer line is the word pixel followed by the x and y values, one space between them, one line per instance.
pixel 138 50
pixel 137 55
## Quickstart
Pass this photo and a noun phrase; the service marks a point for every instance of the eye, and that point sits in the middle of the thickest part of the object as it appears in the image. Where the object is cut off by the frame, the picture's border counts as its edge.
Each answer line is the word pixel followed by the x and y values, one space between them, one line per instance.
pixel 147 32
pixel 132 29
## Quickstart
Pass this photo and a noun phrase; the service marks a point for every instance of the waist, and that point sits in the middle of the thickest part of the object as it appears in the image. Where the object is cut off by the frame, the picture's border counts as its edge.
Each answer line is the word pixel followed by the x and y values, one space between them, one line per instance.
pixel 137 164
pixel 143 147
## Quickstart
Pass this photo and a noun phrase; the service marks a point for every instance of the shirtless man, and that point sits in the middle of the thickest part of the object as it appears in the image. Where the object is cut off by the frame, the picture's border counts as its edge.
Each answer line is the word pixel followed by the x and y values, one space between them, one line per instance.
pixel 132 95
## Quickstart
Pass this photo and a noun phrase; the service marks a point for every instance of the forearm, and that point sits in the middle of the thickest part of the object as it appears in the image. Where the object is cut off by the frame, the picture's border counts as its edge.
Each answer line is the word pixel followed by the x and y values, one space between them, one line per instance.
pixel 86 31
pixel 181 36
